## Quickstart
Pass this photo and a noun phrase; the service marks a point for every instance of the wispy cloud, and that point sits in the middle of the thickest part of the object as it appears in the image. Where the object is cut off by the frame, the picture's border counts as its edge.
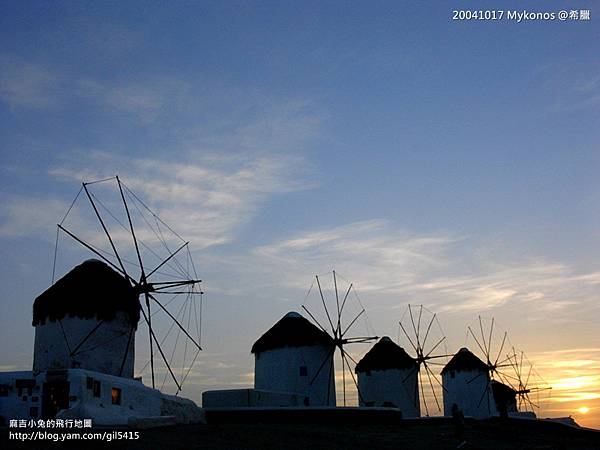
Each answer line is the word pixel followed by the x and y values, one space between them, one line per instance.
pixel 206 200
pixel 213 178
pixel 25 216
pixel 198 112
pixel 27 85
pixel 142 99
pixel 570 87
pixel 432 268
pixel 549 286
pixel 379 257
pixel 24 84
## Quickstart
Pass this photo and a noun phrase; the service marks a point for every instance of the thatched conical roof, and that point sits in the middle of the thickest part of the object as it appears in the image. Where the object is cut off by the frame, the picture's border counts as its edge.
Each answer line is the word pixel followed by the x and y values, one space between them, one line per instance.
pixel 91 289
pixel 464 360
pixel 384 355
pixel 292 330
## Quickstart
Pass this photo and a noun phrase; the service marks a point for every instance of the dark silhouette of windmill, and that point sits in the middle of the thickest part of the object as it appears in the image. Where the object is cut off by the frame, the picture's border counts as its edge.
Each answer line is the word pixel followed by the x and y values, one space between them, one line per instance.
pixel 154 260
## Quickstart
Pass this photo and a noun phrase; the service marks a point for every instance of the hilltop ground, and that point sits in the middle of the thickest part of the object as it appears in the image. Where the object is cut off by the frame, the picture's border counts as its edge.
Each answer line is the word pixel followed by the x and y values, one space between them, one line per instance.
pixel 490 434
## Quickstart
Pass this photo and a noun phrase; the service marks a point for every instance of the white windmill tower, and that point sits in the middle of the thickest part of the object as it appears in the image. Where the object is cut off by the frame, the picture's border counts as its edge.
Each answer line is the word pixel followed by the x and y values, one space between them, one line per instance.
pixel 87 320
pixel 387 377
pixel 482 387
pixel 288 358
pixel 466 384
pixel 297 356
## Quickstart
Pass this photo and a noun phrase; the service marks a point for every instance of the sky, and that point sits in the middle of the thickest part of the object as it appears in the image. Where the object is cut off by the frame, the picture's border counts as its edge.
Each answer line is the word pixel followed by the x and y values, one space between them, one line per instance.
pixel 427 160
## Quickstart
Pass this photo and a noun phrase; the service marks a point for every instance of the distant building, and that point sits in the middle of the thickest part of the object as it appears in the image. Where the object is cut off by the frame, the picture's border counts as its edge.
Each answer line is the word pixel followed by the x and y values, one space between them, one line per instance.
pixel 296 357
pixel 505 399
pixel 388 376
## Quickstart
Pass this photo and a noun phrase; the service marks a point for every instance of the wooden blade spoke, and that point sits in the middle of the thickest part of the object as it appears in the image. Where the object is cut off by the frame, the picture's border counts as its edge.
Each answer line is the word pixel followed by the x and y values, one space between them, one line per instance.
pixel 150 335
pixel 327 356
pixel 131 333
pixel 476 340
pixel 74 351
pixel 135 242
pixel 428 328
pixel 337 302
pixel 345 298
pixel 360 340
pixel 353 322
pixel 485 390
pixel 435 346
pixel 176 321
pixel 528 374
pixel 431 386
pixel 436 379
pixel 344 380
pixel 325 306
pixel 315 320
pixel 98 254
pixel 349 357
pixel 407 336
pixel 414 329
pixel 437 356
pixel 112 244
pixel 344 356
pixel 419 320
pixel 475 377
pixel 501 348
pixel 423 394
pixel 167 260
pixel 490 338
pixel 161 352
pixel 485 352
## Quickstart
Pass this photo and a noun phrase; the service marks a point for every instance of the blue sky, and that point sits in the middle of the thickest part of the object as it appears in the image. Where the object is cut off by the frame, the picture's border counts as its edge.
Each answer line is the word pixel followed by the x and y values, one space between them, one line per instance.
pixel 430 161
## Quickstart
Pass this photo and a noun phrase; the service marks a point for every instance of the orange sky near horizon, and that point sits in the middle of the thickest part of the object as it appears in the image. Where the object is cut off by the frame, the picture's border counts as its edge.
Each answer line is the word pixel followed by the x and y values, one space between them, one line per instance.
pixel 573 374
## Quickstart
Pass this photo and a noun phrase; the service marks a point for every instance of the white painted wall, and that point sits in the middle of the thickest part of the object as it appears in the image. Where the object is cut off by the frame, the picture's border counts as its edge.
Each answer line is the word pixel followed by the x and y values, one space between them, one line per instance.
pixel 467 395
pixel 102 352
pixel 279 370
pixel 137 400
pixel 383 386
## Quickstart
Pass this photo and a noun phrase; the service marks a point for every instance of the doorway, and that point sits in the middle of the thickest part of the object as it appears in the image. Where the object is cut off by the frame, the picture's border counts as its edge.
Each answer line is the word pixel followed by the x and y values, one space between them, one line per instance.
pixel 55 398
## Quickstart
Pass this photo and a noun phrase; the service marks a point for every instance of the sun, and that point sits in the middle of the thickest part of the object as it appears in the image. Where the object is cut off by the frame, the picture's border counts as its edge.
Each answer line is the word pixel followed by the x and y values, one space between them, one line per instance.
pixel 584 410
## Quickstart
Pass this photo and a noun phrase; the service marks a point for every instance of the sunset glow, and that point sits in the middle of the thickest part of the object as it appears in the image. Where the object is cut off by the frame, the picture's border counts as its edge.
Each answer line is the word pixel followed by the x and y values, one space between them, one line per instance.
pixel 575 379
pixel 573 382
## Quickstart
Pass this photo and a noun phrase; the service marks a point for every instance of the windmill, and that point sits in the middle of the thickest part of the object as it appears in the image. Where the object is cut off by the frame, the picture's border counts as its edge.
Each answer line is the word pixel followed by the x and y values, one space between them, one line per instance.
pixel 498 364
pixel 530 383
pixel 332 321
pixel 154 260
pixel 423 332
